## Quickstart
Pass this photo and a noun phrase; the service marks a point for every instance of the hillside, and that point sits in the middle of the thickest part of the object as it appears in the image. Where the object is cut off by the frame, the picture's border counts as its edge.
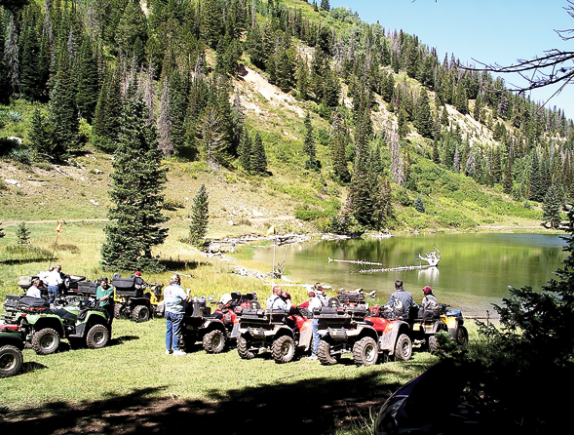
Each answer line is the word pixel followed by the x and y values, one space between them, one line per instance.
pixel 423 127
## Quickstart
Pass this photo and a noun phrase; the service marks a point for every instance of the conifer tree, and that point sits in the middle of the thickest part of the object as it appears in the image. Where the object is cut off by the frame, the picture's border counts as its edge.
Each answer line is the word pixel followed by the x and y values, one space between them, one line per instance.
pixel 309 144
pixel 423 120
pixel 244 151
pixel 303 79
pixel 39 134
pixel 199 217
pixel 419 204
pixel 536 191
pixel 551 208
pixel 258 157
pixel 507 182
pixel 460 99
pixel 12 57
pixel 2 233
pixel 164 121
pixel 325 5
pixel 23 234
pixel 88 81
pixel 211 139
pixel 136 194
pixel 341 138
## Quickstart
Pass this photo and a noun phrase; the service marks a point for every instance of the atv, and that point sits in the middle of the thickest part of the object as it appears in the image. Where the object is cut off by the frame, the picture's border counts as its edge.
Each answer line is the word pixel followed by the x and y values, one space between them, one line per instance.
pixel 44 327
pixel 130 300
pixel 68 292
pixel 214 330
pixel 454 321
pixel 11 346
pixel 424 326
pixel 275 330
pixel 364 333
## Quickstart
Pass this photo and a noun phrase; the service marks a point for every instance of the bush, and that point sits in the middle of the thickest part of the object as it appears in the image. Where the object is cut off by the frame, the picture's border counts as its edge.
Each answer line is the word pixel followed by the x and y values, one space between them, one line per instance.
pixel 402 196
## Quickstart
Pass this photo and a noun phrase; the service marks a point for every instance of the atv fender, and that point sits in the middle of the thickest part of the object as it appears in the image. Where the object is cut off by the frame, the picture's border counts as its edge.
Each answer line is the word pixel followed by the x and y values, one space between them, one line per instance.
pixel 236 332
pixel 306 335
pixel 39 322
pixel 389 336
pixel 210 325
pixel 366 331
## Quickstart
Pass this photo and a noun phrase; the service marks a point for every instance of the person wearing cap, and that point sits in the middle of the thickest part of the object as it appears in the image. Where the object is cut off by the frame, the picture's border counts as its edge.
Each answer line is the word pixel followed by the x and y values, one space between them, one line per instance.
pixel 320 292
pixel 105 297
pixel 34 291
pixel 430 302
pixel 315 303
pixel 276 301
pixel 402 301
pixel 175 299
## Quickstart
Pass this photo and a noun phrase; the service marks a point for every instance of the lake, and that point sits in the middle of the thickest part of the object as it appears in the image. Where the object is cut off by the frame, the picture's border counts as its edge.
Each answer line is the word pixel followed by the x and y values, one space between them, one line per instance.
pixel 475 269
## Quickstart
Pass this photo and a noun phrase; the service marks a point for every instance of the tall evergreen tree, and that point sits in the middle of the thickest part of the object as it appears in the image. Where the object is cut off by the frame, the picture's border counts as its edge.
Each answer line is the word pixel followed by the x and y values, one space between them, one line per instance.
pixel 551 208
pixel 244 151
pixel 88 81
pixel 419 204
pixel 12 57
pixel 309 144
pixel 199 217
pixel 258 157
pixel 136 194
pixel 39 134
pixel 341 138
pixel 423 119
pixel 536 191
pixel 23 234
pixel 325 5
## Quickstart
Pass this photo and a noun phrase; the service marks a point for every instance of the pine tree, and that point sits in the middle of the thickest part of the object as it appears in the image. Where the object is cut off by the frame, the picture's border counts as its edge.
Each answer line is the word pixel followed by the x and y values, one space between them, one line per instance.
pixel 258 157
pixel 551 208
pixel 423 119
pixel 325 5
pixel 2 233
pixel 164 121
pixel 88 81
pixel 12 57
pixel 38 134
pixel 136 194
pixel 341 138
pixel 244 151
pixel 309 144
pixel 199 217
pixel 419 204
pixel 211 140
pixel 460 99
pixel 536 191
pixel 23 234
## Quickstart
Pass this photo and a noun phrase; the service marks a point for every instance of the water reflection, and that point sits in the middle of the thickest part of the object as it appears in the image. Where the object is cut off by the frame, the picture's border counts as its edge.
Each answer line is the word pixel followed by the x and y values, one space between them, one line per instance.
pixel 475 269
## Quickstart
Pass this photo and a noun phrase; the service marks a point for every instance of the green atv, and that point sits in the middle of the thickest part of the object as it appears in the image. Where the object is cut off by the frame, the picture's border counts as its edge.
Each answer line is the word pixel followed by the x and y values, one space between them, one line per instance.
pixel 43 326
pixel 11 345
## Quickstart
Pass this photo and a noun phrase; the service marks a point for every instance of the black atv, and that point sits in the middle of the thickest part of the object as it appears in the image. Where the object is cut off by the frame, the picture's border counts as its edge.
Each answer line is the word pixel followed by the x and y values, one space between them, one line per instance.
pixel 214 330
pixel 11 346
pixel 132 298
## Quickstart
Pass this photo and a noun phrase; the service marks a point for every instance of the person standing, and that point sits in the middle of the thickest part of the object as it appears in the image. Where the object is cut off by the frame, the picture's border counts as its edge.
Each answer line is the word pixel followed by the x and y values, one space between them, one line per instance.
pixel 105 297
pixel 54 280
pixel 315 303
pixel 175 298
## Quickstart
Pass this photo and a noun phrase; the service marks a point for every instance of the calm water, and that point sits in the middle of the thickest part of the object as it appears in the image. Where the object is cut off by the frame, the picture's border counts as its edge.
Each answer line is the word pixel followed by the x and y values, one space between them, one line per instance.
pixel 475 269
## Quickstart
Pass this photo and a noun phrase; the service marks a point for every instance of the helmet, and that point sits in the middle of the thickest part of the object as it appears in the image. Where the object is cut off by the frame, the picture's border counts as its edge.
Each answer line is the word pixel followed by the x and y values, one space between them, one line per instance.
pixel 311 294
pixel 427 290
pixel 225 299
pixel 137 273
pixel 175 279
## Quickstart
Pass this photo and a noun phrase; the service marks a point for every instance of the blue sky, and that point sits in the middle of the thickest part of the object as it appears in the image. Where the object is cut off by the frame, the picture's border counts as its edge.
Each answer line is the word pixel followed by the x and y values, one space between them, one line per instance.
pixel 490 31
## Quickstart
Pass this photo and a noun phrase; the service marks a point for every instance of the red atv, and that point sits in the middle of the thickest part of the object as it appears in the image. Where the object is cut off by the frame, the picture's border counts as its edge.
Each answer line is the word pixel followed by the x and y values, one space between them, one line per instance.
pixel 354 329
pixel 214 330
pixel 275 330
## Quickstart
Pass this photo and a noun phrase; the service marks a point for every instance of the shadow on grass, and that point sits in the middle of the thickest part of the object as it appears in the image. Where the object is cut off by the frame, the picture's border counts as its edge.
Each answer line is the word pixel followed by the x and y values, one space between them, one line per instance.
pixel 177 265
pixel 120 340
pixel 316 406
pixel 32 366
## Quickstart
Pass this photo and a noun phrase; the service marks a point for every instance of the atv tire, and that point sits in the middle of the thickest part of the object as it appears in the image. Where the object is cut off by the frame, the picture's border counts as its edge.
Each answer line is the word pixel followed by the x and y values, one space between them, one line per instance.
pixel 118 311
pixel 10 361
pixel 283 349
pixel 462 336
pixel 214 341
pixel 324 354
pixel 243 349
pixel 404 348
pixel 365 352
pixel 46 341
pixel 433 344
pixel 140 314
pixel 97 337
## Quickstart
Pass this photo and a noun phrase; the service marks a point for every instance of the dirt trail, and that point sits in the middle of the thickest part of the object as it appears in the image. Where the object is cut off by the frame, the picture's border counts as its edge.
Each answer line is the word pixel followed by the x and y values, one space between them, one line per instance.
pixel 8 223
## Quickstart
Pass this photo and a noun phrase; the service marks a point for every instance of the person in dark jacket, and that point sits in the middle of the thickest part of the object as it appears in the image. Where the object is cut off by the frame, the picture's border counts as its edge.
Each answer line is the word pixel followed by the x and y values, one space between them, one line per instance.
pixel 402 301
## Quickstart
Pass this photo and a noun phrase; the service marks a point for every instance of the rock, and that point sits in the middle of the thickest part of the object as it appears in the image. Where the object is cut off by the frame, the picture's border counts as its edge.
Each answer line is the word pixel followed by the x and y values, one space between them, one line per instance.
pixel 230 223
pixel 10 181
pixel 187 199
pixel 257 214
pixel 15 139
pixel 97 171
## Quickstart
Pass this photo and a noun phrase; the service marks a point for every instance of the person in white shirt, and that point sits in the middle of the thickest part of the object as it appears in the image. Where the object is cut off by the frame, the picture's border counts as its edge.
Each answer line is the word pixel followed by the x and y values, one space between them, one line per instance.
pixel 315 303
pixel 34 291
pixel 276 301
pixel 175 299
pixel 54 279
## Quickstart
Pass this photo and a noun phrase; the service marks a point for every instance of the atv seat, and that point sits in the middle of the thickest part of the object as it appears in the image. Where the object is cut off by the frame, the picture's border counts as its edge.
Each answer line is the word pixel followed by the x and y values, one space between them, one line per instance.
pixel 66 315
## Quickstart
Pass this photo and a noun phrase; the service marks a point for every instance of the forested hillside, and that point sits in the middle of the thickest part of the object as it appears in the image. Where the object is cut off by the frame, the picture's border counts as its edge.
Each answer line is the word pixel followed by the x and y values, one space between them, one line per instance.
pixel 344 124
